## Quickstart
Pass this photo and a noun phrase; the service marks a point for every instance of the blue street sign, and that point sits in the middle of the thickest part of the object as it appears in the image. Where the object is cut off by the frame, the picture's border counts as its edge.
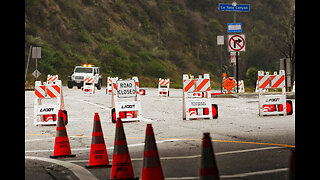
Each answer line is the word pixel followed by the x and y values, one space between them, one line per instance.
pixel 238 7
pixel 234 27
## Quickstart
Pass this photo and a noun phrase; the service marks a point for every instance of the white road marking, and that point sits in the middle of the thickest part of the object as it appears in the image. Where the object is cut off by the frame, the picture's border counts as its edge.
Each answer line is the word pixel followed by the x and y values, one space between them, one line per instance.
pixel 254 173
pixel 94 104
pixel 80 172
pixel 239 175
pixel 189 157
pixel 108 148
pixel 30 140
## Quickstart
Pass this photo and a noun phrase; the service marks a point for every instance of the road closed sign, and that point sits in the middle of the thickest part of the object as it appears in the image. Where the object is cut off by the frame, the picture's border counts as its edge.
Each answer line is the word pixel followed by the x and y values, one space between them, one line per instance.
pixel 236 43
pixel 126 88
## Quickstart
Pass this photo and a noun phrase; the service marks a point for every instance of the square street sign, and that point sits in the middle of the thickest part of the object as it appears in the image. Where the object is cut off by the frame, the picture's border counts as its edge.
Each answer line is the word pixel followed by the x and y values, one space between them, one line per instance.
pixel 234 27
pixel 220 40
pixel 236 43
pixel 36 52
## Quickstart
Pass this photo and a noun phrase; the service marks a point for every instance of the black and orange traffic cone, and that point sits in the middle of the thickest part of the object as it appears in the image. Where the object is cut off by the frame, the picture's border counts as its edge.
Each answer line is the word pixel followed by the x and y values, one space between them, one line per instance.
pixel 208 169
pixel 292 165
pixel 152 169
pixel 61 144
pixel 98 151
pixel 121 161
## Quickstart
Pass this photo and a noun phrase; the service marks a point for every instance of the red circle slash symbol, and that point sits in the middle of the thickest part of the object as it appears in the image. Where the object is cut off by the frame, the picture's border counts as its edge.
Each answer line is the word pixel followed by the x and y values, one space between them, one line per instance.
pixel 236 43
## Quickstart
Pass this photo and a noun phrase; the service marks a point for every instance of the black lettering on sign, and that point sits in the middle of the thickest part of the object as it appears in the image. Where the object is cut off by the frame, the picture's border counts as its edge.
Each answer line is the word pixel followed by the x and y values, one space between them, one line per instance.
pixel 98 156
pixel 46 109
pixel 125 85
pixel 63 144
pixel 128 106
pixel 198 103
pixel 121 166
pixel 273 100
pixel 126 91
pixel 98 151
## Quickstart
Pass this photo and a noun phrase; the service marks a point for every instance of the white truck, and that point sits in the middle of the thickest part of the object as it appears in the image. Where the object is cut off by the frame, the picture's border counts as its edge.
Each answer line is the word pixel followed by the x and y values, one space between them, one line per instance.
pixel 76 79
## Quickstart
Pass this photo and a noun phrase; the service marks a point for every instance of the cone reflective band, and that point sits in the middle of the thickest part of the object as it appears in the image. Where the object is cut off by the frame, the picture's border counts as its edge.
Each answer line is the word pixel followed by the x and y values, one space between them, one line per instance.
pixel 98 151
pixel 61 144
pixel 152 169
pixel 208 169
pixel 121 161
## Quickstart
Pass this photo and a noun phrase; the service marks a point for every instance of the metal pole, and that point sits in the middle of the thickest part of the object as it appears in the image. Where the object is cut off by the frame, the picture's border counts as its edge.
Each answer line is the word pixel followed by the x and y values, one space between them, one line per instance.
pixel 237 72
pixel 25 77
pixel 36 69
pixel 221 68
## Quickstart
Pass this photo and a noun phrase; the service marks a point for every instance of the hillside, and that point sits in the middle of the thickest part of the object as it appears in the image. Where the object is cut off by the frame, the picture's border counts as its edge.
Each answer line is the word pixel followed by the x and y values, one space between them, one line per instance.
pixel 152 38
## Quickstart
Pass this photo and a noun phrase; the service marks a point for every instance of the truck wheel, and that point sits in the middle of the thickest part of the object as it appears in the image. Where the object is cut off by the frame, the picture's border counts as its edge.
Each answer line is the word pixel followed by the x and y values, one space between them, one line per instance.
pixel 70 84
pixel 99 84
pixel 79 86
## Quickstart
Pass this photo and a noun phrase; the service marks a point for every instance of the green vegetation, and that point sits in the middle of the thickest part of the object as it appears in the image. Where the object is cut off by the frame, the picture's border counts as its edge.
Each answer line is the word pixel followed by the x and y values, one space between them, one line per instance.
pixel 152 38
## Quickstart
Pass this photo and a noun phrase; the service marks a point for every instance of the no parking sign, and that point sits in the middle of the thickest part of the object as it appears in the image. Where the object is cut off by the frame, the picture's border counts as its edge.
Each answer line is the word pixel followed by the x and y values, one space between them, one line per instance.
pixel 236 43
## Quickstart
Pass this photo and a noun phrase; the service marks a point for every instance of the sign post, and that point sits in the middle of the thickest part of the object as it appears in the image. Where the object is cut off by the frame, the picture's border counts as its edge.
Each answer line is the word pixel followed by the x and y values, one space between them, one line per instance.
pixel 220 41
pixel 36 53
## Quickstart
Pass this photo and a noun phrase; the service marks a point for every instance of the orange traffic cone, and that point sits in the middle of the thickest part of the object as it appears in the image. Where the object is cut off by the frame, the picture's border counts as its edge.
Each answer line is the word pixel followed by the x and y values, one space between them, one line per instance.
pixel 152 169
pixel 121 162
pixel 209 169
pixel 292 165
pixel 61 144
pixel 98 151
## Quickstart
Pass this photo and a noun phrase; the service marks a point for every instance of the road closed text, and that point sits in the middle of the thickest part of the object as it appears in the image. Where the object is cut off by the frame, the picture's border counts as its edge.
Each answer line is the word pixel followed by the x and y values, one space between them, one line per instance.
pixel 126 88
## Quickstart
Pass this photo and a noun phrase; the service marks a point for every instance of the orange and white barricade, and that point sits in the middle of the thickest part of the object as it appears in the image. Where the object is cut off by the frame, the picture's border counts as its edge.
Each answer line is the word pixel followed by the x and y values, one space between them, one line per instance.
pixel 126 102
pixel 257 86
pixel 88 85
pixel 241 86
pixel 196 102
pixel 163 87
pixel 52 79
pixel 109 85
pixel 294 86
pixel 48 101
pixel 270 104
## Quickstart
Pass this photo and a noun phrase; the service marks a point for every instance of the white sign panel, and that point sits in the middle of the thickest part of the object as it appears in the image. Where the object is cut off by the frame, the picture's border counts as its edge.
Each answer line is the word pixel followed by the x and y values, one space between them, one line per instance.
pixel 126 88
pixel 42 110
pixel 36 52
pixel 220 40
pixel 236 43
